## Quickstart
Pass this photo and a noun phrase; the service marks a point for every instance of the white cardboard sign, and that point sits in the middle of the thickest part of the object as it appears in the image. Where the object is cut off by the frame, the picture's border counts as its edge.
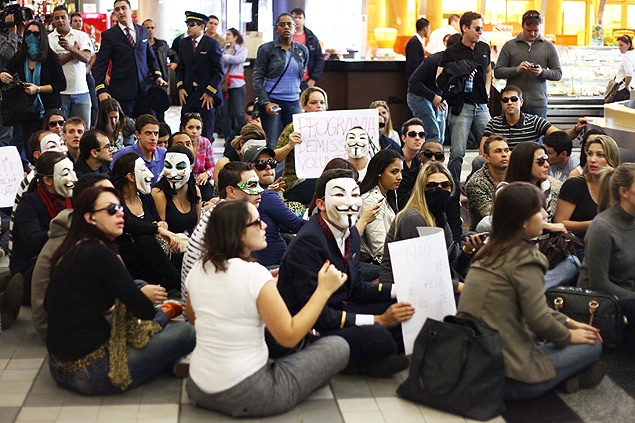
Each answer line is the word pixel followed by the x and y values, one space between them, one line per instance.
pixel 11 174
pixel 323 135
pixel 421 273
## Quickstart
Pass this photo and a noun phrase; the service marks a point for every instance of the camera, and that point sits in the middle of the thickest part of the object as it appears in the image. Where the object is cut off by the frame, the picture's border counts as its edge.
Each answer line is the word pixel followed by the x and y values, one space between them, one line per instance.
pixel 20 14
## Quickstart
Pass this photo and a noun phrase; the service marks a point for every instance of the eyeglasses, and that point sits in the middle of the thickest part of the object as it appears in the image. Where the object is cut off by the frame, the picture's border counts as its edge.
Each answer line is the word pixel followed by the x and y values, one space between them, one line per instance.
pixel 513 99
pixel 413 134
pixel 429 153
pixel 27 33
pixel 56 123
pixel 191 24
pixel 107 146
pixel 433 185
pixel 254 223
pixel 287 24
pixel 382 124
pixel 541 160
pixel 111 208
pixel 262 164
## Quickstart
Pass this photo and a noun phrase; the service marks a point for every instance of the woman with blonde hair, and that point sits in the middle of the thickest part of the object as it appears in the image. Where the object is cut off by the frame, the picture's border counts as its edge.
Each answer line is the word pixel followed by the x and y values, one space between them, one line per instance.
pixel 578 201
pixel 384 110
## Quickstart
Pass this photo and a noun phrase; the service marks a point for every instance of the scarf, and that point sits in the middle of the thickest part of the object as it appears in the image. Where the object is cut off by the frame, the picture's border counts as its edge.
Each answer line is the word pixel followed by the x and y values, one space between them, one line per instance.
pixel 34 78
pixel 54 203
pixel 331 238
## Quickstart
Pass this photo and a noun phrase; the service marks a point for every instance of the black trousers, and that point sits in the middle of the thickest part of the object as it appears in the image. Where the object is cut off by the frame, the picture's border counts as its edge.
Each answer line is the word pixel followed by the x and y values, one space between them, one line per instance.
pixel 194 104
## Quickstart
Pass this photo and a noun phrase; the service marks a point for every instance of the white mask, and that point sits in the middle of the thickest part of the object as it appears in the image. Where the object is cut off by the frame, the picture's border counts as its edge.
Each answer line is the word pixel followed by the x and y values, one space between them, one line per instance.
pixel 177 169
pixel 342 201
pixel 142 176
pixel 357 143
pixel 249 143
pixel 52 142
pixel 64 177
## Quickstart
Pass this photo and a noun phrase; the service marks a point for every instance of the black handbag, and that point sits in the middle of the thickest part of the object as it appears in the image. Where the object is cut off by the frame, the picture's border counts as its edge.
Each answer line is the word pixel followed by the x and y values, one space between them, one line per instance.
pixel 259 108
pixel 17 106
pixel 457 366
pixel 599 310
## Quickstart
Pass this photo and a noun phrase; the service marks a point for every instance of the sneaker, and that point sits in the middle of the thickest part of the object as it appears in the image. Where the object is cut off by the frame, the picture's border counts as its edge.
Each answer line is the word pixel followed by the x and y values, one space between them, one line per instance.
pixel 591 377
pixel 181 368
pixel 172 309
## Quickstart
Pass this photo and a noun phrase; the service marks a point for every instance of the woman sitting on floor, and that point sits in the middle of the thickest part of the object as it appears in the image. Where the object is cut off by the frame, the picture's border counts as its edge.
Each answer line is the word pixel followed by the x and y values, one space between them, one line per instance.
pixel 230 300
pixel 86 355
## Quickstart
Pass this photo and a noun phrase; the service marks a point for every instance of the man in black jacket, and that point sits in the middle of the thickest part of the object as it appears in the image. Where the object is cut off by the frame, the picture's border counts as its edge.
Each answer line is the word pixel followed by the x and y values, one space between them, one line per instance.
pixel 414 47
pixel 162 52
pixel 304 36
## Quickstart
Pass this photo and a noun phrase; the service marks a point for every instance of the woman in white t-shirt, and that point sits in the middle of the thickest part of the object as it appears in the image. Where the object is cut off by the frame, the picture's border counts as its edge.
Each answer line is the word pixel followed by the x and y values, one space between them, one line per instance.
pixel 626 68
pixel 230 300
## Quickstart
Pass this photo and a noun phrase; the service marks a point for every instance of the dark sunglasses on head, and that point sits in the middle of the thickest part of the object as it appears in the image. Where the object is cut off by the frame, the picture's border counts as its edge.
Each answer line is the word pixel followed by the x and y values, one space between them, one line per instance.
pixel 111 208
pixel 433 185
pixel 56 123
pixel 429 153
pixel 288 24
pixel 262 164
pixel 541 160
pixel 413 134
pixel 27 33
pixel 255 222
pixel 513 99
pixel 382 124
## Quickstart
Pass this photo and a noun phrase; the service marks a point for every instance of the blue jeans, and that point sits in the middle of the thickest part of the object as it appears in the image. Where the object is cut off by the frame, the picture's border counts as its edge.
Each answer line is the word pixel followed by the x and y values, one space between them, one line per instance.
pixel 274 125
pixel 78 105
pixel 567 361
pixel 539 111
pixel 166 347
pixel 433 119
pixel 473 118
pixel 234 103
pixel 564 271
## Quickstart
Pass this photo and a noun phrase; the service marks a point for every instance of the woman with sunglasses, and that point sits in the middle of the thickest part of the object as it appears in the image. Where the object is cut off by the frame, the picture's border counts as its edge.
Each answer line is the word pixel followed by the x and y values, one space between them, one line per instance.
pixel 54 121
pixel 387 129
pixel 176 195
pixel 504 290
pixel 39 68
pixel 234 56
pixel 278 72
pixel 87 354
pixel 379 186
pixel 192 125
pixel 230 300
pixel 119 127
pixel 313 99
pixel 139 247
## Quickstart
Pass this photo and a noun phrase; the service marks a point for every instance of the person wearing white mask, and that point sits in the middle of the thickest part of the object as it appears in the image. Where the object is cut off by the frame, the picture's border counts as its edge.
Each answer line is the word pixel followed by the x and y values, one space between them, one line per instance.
pixel 357 145
pixel 48 194
pixel 362 313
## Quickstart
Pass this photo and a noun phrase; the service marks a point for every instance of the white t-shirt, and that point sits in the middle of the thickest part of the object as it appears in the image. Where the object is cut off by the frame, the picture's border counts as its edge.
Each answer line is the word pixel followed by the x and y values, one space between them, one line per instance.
pixel 230 338
pixel 435 42
pixel 74 70
pixel 626 68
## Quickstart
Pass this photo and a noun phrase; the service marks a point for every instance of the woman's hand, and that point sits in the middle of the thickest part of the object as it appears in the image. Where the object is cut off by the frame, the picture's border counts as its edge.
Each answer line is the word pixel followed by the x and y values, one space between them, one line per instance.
pixel 330 279
pixel 269 108
pixel 202 178
pixel 294 138
pixel 554 227
pixel 474 242
pixel 162 224
pixel 169 237
pixel 30 89
pixel 574 324
pixel 155 293
pixel 6 77
pixel 211 203
pixel 370 213
pixel 584 336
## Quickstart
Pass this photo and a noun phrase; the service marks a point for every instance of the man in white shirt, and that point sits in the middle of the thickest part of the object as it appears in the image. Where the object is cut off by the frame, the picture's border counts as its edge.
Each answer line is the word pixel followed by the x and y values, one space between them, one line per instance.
pixel 75 50
pixel 435 42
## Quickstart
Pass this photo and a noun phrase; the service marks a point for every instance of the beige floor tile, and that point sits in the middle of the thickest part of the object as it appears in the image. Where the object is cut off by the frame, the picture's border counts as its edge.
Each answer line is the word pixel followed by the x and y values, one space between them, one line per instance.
pixel 38 414
pixel 12 400
pixel 117 413
pixel 321 394
pixel 17 387
pixel 174 420
pixel 396 404
pixel 18 375
pixel 25 364
pixel 78 413
pixel 358 405
pixel 3 363
pixel 161 411
pixel 436 416
pixel 363 417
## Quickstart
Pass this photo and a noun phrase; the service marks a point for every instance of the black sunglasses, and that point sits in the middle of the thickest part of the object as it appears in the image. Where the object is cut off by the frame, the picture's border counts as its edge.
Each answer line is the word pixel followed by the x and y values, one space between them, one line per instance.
pixel 433 185
pixel 28 32
pixel 429 153
pixel 382 124
pixel 191 24
pixel 111 208
pixel 288 24
pixel 56 123
pixel 478 28
pixel 249 112
pixel 413 134
pixel 262 164
pixel 255 222
pixel 541 160
pixel 513 98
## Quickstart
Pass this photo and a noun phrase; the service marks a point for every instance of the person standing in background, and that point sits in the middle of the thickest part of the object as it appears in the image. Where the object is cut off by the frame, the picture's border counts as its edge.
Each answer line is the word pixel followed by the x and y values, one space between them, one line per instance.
pixel 303 35
pixel 162 52
pixel 527 62
pixel 626 68
pixel 77 23
pixel 415 45
pixel 211 27
pixel 435 42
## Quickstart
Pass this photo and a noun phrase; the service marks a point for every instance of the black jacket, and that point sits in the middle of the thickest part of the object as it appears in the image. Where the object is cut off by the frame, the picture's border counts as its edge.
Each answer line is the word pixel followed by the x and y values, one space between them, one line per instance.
pixel 162 52
pixel 452 82
pixel 203 67
pixel 315 66
pixel 414 54
pixel 82 168
pixel 423 80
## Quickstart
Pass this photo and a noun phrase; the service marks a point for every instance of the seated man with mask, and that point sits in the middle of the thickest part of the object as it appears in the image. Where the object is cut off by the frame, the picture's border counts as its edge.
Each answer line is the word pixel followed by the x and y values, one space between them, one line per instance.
pixel 364 314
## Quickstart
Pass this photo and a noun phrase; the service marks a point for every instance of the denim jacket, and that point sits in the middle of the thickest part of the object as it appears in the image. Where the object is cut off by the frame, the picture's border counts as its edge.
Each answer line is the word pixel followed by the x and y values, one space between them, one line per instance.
pixel 271 61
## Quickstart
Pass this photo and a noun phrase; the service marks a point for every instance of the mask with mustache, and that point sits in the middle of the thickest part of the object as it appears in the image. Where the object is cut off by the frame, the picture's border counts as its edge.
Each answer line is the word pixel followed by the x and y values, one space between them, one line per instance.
pixel 357 143
pixel 342 201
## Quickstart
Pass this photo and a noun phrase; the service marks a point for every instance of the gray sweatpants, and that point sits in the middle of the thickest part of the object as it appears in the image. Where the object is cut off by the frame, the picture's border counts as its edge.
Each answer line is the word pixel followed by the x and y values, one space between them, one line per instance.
pixel 280 384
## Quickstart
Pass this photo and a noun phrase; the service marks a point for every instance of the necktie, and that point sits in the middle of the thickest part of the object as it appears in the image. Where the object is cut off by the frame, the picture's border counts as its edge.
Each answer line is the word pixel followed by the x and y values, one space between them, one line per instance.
pixel 129 36
pixel 193 44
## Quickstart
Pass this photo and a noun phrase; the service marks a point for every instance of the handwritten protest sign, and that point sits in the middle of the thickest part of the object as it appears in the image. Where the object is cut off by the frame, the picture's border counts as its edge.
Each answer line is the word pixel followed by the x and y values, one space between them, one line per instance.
pixel 11 174
pixel 421 272
pixel 323 135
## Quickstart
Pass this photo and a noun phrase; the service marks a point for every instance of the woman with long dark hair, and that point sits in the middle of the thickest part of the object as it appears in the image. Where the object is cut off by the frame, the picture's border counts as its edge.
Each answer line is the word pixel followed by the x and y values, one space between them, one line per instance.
pixel 203 170
pixel 234 56
pixel 177 198
pixel 504 289
pixel 112 121
pixel 53 121
pixel 626 68
pixel 86 353
pixel 230 300
pixel 380 187
pixel 139 246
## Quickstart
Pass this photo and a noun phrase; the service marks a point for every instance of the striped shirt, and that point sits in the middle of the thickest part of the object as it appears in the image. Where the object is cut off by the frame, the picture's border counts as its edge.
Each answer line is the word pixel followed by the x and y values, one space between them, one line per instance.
pixel 193 251
pixel 528 128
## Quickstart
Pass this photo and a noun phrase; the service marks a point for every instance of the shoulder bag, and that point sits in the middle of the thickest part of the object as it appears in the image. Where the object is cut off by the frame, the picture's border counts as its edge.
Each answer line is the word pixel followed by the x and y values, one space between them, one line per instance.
pixel 259 108
pixel 559 245
pixel 611 90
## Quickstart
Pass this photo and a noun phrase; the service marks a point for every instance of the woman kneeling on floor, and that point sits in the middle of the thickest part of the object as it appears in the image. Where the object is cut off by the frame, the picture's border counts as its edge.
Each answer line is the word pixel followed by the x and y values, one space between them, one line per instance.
pixel 230 300
pixel 86 355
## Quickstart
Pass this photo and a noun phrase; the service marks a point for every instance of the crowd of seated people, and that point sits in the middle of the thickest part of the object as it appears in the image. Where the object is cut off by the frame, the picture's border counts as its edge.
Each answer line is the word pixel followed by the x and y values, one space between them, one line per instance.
pixel 166 224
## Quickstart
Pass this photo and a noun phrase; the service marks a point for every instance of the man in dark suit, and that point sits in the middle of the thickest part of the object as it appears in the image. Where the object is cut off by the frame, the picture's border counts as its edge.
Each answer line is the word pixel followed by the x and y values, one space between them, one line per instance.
pixel 414 47
pixel 126 45
pixel 200 72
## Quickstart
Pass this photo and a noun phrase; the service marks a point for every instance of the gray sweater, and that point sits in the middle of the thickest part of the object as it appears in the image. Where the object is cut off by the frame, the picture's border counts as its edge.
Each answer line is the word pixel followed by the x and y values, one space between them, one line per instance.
pixel 610 254
pixel 541 52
